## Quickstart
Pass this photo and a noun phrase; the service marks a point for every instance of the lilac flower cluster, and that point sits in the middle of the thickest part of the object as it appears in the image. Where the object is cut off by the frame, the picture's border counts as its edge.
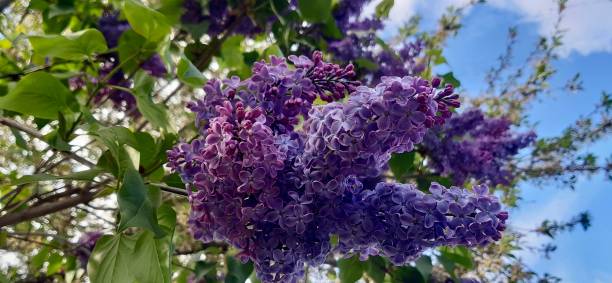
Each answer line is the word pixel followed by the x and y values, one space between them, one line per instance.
pixel 281 92
pixel 112 27
pixel 399 221
pixel 358 137
pixel 85 246
pixel 278 192
pixel 347 15
pixel 220 17
pixel 359 43
pixel 472 145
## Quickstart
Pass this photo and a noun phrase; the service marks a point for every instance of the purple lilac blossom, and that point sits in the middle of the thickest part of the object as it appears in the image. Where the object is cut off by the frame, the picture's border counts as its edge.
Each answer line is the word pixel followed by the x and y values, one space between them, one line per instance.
pixel 359 43
pixel 220 16
pixel 154 66
pixel 283 93
pixel 471 145
pixel 347 14
pixel 358 137
pixel 112 27
pixel 399 221
pixel 278 192
pixel 85 246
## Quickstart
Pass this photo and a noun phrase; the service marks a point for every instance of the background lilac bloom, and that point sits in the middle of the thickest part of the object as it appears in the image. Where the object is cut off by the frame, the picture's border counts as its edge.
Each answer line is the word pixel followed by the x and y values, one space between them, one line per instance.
pixel 472 145
pixel 112 27
pixel 85 246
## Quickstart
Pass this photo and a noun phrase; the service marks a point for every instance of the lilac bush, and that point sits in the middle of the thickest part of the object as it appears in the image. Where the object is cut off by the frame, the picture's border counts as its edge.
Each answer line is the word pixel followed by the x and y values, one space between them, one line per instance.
pixel 472 145
pixel 112 27
pixel 220 17
pixel 358 42
pixel 277 188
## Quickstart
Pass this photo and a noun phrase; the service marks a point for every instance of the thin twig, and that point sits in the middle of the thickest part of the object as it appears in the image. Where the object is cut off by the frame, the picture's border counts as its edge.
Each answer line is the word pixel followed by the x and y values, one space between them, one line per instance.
pixel 35 134
pixel 169 189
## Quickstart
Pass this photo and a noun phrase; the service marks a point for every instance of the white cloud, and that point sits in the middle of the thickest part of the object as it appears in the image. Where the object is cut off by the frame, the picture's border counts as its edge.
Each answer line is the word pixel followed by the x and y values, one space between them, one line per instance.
pixel 404 9
pixel 587 23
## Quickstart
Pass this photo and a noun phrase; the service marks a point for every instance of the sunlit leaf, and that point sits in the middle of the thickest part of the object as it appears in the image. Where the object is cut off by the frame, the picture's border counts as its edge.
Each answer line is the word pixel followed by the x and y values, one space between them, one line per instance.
pixel 383 8
pixel 315 11
pixel 76 46
pixel 38 94
pixel 351 269
pixel 145 21
pixel 237 272
pixel 139 257
pixel 188 73
pixel 136 209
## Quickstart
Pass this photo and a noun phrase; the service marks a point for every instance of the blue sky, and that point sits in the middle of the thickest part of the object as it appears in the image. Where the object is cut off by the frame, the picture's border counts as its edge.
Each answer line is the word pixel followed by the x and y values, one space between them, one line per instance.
pixel 581 256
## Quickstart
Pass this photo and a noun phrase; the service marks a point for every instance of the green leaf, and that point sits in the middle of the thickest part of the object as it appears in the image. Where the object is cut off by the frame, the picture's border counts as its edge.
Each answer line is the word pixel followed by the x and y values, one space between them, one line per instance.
pixel 120 142
pixel 351 269
pixel 366 64
pixel 237 272
pixel 189 73
pixel 134 258
pixel 407 274
pixel 86 175
pixel 436 56
pixel 137 209
pixel 38 94
pixel 401 164
pixel 459 255
pixel 196 30
pixel 147 147
pixel 19 140
pixel 129 157
pixel 39 259
pixel 232 53
pixel 172 9
pixel 423 264
pixel 450 258
pixel 145 21
pixel 76 46
pixel 133 49
pixel 250 57
pixel 154 113
pixel 160 251
pixel 7 65
pixel 55 263
pixel 331 29
pixel 376 269
pixel 56 18
pixel 272 50
pixel 204 268
pixel 383 8
pixel 315 11
pixel 174 180
pixel 55 140
pixel 449 78
pixel 111 259
pixel 424 182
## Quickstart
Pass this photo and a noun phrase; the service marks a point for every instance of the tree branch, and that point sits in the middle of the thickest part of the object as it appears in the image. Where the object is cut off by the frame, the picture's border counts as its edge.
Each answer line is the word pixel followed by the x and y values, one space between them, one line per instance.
pixel 36 134
pixel 169 189
pixel 86 195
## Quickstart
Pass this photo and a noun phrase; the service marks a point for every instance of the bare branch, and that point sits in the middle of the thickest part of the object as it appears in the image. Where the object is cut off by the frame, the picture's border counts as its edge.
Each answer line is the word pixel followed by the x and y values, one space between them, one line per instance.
pixel 36 134
pixel 84 196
